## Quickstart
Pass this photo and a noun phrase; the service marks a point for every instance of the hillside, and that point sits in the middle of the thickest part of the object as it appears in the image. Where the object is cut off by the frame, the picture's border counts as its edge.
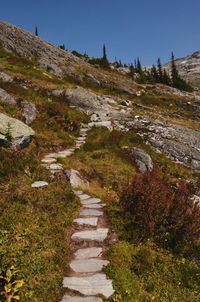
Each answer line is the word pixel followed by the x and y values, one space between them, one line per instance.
pixel 99 193
pixel 189 68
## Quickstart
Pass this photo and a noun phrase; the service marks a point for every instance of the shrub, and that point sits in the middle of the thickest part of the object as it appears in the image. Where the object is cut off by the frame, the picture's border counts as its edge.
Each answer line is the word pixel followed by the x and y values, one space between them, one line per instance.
pixel 162 211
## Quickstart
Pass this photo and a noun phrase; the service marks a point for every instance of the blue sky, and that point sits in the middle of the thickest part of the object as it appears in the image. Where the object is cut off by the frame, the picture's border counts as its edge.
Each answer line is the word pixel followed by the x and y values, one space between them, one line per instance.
pixel 129 28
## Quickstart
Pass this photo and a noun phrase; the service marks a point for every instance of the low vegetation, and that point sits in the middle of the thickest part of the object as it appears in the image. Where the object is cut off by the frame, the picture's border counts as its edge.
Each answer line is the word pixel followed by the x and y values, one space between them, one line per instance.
pixel 34 230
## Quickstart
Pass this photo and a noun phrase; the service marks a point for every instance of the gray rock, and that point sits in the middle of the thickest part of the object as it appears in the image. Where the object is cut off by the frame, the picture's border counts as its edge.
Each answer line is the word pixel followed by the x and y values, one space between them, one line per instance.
pixel 39 184
pixel 91 252
pixel 91 212
pixel 55 166
pixel 80 299
pixel 48 160
pixel 78 192
pixel 75 178
pixel 5 77
pixel 97 284
pixel 6 98
pixel 84 196
pixel 141 158
pixel 21 133
pixel 87 221
pixel 88 265
pixel 89 200
pixel 29 111
pixel 96 235
pixel 94 206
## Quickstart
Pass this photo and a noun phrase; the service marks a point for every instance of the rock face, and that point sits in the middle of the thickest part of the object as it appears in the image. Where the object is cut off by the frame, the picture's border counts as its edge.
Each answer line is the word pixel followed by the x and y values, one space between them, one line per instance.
pixel 141 159
pixel 189 67
pixel 21 133
pixel 6 98
pixel 181 144
pixel 29 111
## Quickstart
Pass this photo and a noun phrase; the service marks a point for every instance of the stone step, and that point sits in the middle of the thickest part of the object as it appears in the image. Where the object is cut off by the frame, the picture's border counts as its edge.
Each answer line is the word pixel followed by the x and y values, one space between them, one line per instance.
pixel 90 200
pixel 39 184
pixel 87 221
pixel 98 235
pixel 97 284
pixel 91 212
pixel 91 252
pixel 48 160
pixel 84 196
pixel 78 192
pixel 94 206
pixel 88 265
pixel 80 299
pixel 55 167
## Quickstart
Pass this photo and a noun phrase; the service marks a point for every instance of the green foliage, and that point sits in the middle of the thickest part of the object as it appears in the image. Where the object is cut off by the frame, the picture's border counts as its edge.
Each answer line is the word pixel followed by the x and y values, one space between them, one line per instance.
pixel 146 273
pixel 8 136
pixel 11 285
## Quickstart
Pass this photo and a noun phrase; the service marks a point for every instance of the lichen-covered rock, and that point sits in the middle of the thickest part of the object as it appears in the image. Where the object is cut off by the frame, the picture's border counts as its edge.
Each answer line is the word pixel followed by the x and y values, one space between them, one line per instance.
pixel 75 178
pixel 29 111
pixel 21 133
pixel 5 77
pixel 140 158
pixel 6 98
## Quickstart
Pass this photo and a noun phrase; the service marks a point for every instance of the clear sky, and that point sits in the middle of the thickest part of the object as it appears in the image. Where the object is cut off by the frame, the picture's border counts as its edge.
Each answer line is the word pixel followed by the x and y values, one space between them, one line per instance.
pixel 129 28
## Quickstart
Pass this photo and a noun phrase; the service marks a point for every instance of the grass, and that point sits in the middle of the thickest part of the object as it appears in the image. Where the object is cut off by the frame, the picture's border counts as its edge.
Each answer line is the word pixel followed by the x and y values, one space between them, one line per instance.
pixel 34 226
pixel 145 273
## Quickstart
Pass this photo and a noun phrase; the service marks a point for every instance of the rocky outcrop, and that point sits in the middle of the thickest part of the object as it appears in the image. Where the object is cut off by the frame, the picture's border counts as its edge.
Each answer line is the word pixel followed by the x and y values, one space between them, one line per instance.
pixel 20 133
pixel 29 111
pixel 189 67
pixel 27 44
pixel 75 179
pixel 6 98
pixel 181 144
pixel 5 77
pixel 142 160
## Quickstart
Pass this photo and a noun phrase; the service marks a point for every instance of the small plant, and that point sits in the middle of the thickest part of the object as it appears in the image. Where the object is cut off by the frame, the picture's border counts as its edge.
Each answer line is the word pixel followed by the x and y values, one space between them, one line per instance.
pixel 11 285
pixel 8 136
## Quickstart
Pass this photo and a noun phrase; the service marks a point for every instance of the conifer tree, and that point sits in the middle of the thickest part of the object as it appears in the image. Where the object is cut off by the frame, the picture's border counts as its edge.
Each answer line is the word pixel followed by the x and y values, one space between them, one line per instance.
pixel 131 70
pixel 160 71
pixel 36 31
pixel 166 78
pixel 174 71
pixel 154 74
pixel 105 62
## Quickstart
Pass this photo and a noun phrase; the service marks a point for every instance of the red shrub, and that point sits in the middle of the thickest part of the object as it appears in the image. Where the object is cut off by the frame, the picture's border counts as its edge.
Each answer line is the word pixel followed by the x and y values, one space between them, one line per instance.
pixel 161 211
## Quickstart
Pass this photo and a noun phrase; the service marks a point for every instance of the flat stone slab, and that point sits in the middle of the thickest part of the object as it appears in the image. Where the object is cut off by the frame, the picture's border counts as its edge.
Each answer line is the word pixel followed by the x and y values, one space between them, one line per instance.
pixel 81 299
pixel 84 196
pixel 48 160
pixel 78 192
pixel 96 284
pixel 55 167
pixel 90 201
pixel 91 212
pixel 91 252
pixel 39 184
pixel 94 206
pixel 88 265
pixel 87 221
pixel 98 235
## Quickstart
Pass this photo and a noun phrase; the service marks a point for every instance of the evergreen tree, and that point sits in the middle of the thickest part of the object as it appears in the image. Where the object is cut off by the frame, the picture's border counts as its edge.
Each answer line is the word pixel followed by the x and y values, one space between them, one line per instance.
pixel 160 71
pixel 166 78
pixel 174 71
pixel 105 61
pixel 36 31
pixel 8 136
pixel 131 70
pixel 154 74
pixel 138 66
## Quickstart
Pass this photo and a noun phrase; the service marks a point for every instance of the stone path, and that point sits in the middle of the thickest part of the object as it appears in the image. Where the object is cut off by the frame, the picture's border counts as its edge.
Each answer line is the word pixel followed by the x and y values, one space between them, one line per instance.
pixel 85 280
